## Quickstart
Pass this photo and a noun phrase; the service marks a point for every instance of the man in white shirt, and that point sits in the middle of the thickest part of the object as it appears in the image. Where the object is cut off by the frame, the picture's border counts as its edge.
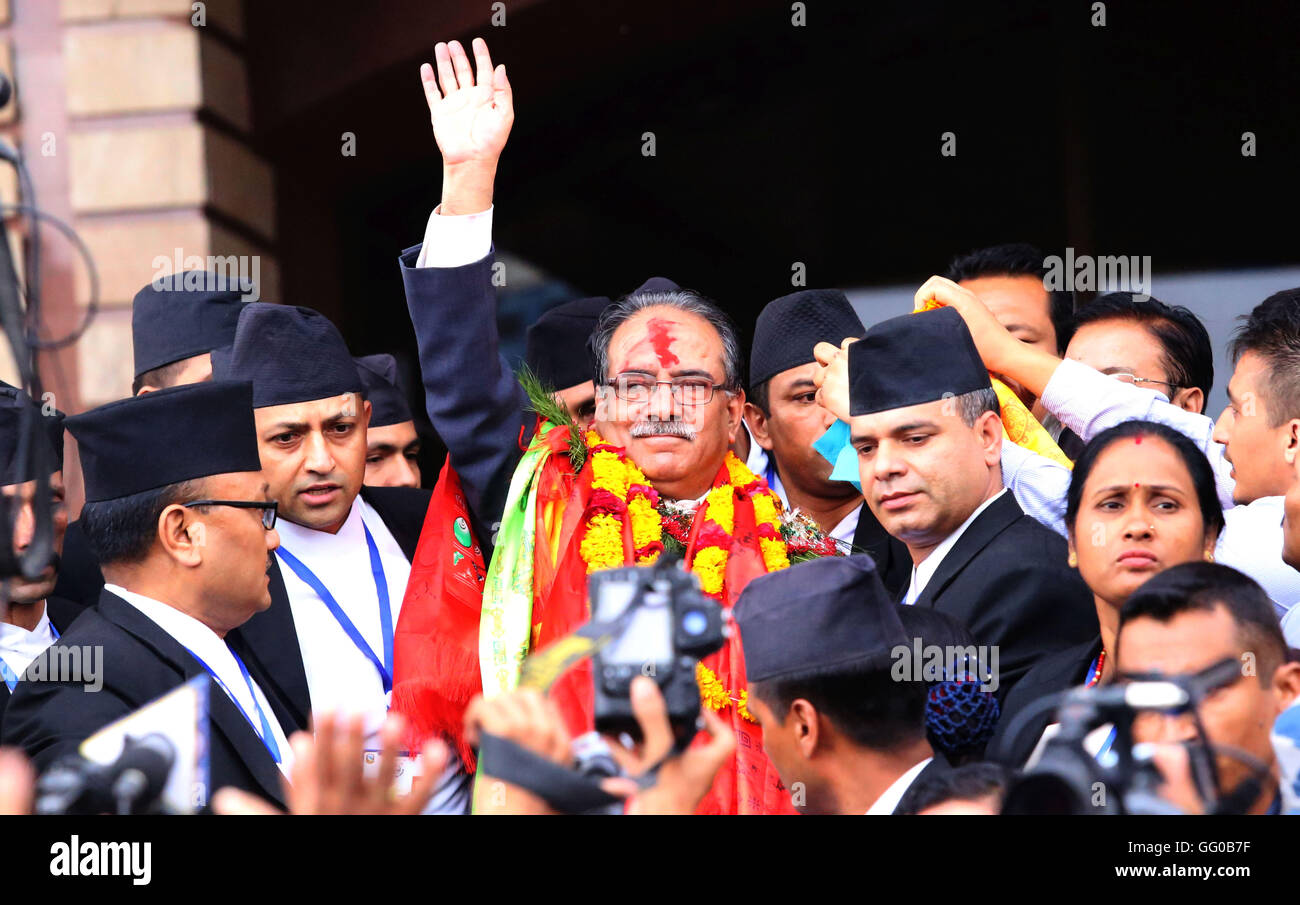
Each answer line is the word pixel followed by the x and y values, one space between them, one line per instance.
pixel 179 514
pixel 846 734
pixel 340 573
pixel 1251 447
pixel 925 423
pixel 785 420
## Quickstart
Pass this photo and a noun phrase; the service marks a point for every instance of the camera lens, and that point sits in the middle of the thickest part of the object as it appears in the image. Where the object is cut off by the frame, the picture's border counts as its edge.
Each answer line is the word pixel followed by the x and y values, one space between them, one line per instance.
pixel 694 622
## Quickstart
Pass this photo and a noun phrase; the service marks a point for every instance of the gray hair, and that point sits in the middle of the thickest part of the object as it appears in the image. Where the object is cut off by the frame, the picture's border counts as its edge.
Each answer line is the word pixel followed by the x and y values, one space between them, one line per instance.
pixel 686 300
pixel 975 403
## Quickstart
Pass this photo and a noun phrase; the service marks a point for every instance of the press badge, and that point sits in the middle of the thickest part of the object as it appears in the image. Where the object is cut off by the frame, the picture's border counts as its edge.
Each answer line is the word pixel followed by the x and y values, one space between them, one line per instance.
pixel 408 768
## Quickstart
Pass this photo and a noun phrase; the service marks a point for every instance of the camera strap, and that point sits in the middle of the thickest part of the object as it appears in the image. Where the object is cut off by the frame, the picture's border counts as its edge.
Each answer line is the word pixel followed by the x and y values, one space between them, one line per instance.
pixel 563 789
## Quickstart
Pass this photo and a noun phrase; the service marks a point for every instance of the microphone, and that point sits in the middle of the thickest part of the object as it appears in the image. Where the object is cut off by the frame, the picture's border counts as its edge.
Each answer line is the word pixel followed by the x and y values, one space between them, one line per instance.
pixel 132 784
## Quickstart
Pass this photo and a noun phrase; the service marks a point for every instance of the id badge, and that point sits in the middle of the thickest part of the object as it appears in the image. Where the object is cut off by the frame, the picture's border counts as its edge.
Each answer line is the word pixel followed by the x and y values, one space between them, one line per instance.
pixel 408 768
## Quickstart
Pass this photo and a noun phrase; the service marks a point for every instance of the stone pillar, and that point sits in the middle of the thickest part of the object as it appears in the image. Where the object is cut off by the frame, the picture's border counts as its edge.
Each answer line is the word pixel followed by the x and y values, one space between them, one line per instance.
pixel 145 146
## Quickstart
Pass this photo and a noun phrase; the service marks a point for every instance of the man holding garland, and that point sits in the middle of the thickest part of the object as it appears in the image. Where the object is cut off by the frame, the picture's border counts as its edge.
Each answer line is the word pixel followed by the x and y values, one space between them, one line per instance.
pixel 653 474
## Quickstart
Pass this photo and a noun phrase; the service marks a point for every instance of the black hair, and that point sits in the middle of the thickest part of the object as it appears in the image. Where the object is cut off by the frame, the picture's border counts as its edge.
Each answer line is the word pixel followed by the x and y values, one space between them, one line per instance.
pixel 615 315
pixel 971 782
pixel 1197 466
pixel 758 396
pixel 869 707
pixel 1272 331
pixel 160 377
pixel 1202 586
pixel 124 529
pixel 1018 259
pixel 1187 353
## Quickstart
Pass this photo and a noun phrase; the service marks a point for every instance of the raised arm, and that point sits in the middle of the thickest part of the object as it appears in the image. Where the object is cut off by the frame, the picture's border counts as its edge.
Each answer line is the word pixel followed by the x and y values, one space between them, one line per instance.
pixel 1085 401
pixel 472 397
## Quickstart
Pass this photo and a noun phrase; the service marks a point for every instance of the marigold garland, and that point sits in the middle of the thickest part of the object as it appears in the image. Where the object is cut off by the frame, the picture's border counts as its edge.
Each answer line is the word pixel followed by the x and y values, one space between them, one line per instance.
pixel 620 490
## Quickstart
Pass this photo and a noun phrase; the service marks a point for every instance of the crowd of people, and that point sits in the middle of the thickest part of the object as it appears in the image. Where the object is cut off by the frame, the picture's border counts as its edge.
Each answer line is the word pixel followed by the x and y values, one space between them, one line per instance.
pixel 1031 489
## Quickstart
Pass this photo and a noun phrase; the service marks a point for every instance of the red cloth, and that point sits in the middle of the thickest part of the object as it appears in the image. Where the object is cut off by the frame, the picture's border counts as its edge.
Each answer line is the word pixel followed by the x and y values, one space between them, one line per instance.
pixel 435 643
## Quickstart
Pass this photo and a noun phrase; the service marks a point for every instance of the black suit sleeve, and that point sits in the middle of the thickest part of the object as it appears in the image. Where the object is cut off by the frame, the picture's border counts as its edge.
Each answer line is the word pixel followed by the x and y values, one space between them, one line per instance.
pixel 50 719
pixel 1029 610
pixel 473 399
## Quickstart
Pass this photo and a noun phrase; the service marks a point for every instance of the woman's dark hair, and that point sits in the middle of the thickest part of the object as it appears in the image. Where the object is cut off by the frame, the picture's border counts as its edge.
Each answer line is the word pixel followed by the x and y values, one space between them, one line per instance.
pixel 1197 466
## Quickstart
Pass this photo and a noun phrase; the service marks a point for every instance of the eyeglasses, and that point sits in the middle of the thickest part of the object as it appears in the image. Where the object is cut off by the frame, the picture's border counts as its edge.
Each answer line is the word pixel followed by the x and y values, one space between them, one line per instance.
pixel 1125 377
pixel 269 510
pixel 686 390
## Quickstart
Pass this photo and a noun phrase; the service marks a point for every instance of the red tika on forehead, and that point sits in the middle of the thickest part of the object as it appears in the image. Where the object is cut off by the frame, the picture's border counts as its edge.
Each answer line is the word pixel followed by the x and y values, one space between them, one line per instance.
pixel 659 337
pixel 661 340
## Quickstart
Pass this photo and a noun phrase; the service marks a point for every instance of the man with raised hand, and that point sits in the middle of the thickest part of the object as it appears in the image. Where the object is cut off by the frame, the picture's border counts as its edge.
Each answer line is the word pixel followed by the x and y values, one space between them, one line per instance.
pixel 657 472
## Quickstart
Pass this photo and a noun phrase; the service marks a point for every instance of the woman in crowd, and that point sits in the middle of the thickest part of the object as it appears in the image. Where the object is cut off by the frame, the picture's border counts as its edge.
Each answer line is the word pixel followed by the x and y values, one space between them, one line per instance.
pixel 1141 499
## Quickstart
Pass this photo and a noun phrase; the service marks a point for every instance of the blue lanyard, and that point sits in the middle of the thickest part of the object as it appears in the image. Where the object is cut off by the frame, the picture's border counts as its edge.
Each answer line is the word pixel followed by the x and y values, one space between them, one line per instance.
pixel 385 611
pixel 268 737
pixel 11 680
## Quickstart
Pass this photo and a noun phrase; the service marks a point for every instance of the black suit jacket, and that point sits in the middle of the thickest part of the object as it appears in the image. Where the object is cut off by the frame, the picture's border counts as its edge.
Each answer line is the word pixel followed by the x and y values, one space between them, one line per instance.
pixel 141 662
pixel 474 401
pixel 1007 580
pixel 893 562
pixel 1053 674
pixel 62 614
pixel 79 577
pixel 270 638
pixel 936 767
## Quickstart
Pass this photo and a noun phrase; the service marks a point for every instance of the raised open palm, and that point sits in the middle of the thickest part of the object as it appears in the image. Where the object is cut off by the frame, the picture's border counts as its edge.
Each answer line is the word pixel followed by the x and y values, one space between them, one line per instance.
pixel 471 118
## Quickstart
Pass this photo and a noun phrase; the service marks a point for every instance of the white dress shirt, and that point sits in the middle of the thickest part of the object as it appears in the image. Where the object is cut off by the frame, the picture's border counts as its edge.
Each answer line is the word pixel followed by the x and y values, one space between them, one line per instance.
pixel 1291 626
pixel 890 798
pixel 340 678
pixel 456 240
pixel 760 460
pixel 923 571
pixel 211 649
pixel 19 647
pixel 1089 402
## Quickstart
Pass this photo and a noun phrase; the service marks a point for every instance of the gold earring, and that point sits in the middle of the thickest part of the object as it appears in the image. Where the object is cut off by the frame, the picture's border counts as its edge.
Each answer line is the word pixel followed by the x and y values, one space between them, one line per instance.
pixel 1072 560
pixel 1209 556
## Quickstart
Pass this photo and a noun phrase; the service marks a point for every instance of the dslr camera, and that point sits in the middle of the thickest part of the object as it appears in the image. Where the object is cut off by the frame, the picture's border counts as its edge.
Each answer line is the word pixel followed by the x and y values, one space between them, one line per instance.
pixel 661 625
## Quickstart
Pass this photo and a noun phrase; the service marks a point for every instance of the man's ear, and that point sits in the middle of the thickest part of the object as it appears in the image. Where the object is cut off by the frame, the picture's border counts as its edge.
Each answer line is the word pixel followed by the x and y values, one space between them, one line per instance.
pixel 990 432
pixel 806 726
pixel 366 409
pixel 757 419
pixel 1191 399
pixel 1286 684
pixel 181 537
pixel 604 396
pixel 1292 441
pixel 735 414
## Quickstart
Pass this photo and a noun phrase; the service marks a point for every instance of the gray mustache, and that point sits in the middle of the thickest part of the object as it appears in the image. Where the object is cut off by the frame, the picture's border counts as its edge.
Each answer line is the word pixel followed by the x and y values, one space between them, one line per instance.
pixel 678 429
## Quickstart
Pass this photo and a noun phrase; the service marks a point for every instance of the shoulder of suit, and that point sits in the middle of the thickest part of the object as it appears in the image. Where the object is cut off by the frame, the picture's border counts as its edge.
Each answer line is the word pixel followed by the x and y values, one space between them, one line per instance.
pixel 397 501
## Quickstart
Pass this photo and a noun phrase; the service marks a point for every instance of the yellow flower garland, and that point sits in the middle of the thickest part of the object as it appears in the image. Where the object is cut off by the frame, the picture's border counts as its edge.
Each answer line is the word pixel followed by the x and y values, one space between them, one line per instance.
pixel 602 544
